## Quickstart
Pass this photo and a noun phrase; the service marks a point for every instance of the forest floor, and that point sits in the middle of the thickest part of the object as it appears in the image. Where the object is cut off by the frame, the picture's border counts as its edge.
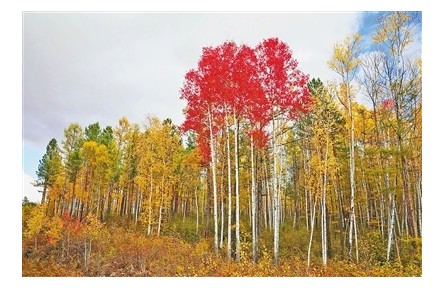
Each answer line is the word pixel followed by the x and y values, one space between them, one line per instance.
pixel 123 252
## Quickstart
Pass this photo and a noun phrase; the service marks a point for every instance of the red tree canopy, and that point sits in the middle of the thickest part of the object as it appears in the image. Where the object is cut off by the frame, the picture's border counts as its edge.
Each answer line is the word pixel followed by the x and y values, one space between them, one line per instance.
pixel 249 84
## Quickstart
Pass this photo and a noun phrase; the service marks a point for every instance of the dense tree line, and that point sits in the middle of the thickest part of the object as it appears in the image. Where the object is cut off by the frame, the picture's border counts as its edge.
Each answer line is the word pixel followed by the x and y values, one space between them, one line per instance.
pixel 263 148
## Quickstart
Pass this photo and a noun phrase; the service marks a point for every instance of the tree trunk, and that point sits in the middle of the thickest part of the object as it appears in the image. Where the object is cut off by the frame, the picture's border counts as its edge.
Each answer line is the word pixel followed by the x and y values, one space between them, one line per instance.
pixel 150 208
pixel 311 237
pixel 85 254
pixel 73 198
pixel 197 210
pixel 254 205
pixel 229 194
pixel 265 199
pixel 391 225
pixel 43 194
pixel 297 192
pixel 419 201
pixel 221 241
pixel 160 214
pixel 323 208
pixel 276 215
pixel 268 198
pixel 351 178
pixel 237 204
pixel 341 218
pixel 411 212
pixel 307 193
pixel 215 192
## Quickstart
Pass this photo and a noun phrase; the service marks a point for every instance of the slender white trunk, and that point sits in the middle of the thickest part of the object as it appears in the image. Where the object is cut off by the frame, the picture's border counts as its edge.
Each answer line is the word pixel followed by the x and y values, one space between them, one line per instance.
pixel 365 189
pixel 215 192
pixel 419 205
pixel 136 208
pixel 229 194
pixel 203 199
pixel 391 226
pixel 85 254
pixel 150 209
pixel 249 208
pixel 397 221
pixel 405 214
pixel 382 213
pixel 276 219
pixel 268 198
pixel 197 210
pixel 323 208
pixel 356 239
pixel 222 222
pixel 221 188
pixel 264 202
pixel 351 177
pixel 237 204
pixel 305 193
pixel 310 238
pixel 254 205
pixel 391 207
pixel 281 211
pixel 184 208
pixel 160 215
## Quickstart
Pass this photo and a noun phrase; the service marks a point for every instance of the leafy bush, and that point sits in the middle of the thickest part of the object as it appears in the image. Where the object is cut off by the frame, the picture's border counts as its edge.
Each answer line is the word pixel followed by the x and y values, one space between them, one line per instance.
pixel 411 251
pixel 372 248
pixel 182 229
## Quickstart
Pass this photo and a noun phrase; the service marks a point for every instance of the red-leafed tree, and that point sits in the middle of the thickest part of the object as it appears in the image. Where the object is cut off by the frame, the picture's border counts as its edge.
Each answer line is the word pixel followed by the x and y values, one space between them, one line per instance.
pixel 250 102
pixel 203 89
pixel 286 91
pixel 258 87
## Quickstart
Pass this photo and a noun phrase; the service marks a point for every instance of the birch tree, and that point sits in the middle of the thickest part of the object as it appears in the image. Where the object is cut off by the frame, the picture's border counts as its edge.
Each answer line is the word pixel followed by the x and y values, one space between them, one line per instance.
pixel 394 35
pixel 287 94
pixel 345 62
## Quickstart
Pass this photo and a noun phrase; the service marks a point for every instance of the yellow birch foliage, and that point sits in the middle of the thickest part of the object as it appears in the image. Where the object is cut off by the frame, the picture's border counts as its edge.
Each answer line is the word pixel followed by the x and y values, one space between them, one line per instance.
pixel 36 221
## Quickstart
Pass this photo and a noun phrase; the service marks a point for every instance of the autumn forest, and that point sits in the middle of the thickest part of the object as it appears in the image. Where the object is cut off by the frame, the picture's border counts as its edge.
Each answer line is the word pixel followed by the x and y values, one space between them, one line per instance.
pixel 272 173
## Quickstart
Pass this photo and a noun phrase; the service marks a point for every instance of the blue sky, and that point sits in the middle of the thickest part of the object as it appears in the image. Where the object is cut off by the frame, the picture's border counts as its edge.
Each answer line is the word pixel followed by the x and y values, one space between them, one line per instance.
pixel 369 23
pixel 89 68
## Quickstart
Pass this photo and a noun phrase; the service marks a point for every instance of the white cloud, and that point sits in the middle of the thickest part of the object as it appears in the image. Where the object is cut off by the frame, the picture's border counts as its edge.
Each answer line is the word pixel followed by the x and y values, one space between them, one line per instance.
pixel 89 67
pixel 29 190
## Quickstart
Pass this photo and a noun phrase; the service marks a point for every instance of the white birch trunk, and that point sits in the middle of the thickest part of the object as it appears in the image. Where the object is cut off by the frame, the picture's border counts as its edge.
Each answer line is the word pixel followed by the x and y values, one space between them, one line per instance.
pixel 254 205
pixel 306 208
pixel 237 204
pixel 150 208
pixel 323 208
pixel 419 205
pixel 391 227
pixel 276 219
pixel 310 238
pixel 391 207
pixel 356 239
pixel 215 200
pixel 382 213
pixel 268 199
pixel 197 210
pixel 365 189
pixel 229 192
pixel 264 202
pixel 160 215
pixel 222 221
pixel 351 176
